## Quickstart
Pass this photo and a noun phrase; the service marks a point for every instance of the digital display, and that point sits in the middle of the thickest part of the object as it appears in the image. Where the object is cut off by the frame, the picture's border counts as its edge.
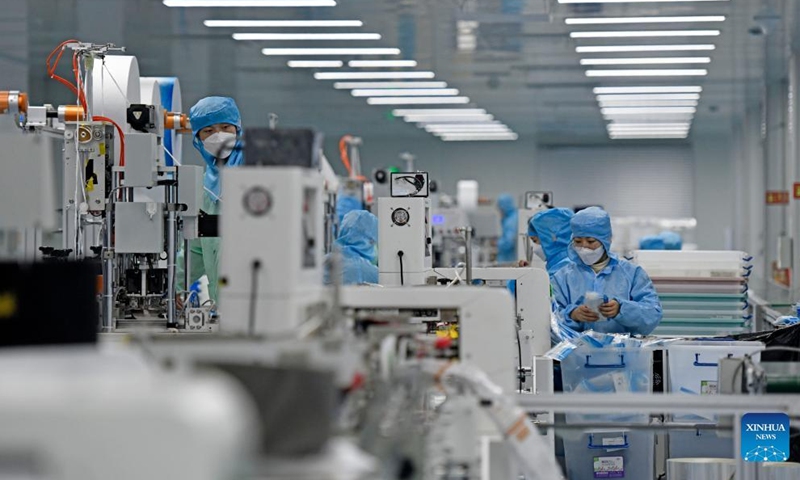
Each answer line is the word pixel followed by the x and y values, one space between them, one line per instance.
pixel 437 220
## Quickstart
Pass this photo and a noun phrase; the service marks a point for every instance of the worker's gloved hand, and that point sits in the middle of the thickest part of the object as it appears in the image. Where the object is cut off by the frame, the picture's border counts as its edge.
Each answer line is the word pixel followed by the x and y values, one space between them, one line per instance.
pixel 610 309
pixel 584 314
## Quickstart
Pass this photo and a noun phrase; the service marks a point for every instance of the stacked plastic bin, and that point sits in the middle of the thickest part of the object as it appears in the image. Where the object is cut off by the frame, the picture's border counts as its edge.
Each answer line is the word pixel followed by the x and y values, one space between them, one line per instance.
pixel 703 293
pixel 602 452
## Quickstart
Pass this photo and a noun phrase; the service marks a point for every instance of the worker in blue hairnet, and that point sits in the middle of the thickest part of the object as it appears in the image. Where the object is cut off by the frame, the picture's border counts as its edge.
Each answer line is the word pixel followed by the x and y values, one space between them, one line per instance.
pixel 651 242
pixel 346 204
pixel 217 135
pixel 358 234
pixel 507 245
pixel 628 300
pixel 550 233
pixel 672 240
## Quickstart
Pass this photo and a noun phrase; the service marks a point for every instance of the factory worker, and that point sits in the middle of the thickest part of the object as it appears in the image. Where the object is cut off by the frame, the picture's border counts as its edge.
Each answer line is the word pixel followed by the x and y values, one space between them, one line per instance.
pixel 651 242
pixel 358 234
pixel 217 135
pixel 550 233
pixel 628 301
pixel 507 245
pixel 346 204
pixel 672 241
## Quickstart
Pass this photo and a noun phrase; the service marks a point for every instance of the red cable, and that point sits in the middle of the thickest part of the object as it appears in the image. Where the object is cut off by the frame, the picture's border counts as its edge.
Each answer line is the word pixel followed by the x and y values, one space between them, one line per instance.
pixel 98 118
pixel 343 153
pixel 51 69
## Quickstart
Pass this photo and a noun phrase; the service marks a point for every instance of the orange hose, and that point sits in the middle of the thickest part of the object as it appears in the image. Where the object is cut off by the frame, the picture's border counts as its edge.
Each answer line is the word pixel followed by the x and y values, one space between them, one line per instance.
pixel 79 82
pixel 343 153
pixel 51 69
pixel 98 118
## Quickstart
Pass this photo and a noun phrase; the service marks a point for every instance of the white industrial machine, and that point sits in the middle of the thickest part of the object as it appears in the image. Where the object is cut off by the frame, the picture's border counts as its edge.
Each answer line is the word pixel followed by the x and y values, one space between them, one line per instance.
pixel 534 202
pixel 404 231
pixel 272 243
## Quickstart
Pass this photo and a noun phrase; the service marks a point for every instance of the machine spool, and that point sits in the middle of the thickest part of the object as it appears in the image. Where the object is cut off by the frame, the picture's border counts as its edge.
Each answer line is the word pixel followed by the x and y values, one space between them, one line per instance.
pixel 13 101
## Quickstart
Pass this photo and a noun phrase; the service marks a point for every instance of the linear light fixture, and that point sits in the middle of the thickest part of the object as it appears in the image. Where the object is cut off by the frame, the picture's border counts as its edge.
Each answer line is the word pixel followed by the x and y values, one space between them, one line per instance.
pixel 636 131
pixel 645 61
pixel 271 52
pixel 655 96
pixel 467 127
pixel 653 89
pixel 645 48
pixel 249 3
pixel 371 75
pixel 637 20
pixel 382 63
pixel 315 64
pixel 354 85
pixel 479 137
pixel 637 1
pixel 405 92
pixel 417 100
pixel 677 136
pixel 647 110
pixel 282 23
pixel 306 36
pixel 646 33
pixel 648 73
pixel 438 119
pixel 432 112
pixel 649 125
pixel 648 103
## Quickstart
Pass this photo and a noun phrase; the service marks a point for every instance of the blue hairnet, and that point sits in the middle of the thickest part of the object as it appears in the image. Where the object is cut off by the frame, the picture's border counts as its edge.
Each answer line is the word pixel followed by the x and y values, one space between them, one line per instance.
pixel 506 204
pixel 593 222
pixel 211 111
pixel 346 204
pixel 672 240
pixel 651 242
pixel 358 234
pixel 554 232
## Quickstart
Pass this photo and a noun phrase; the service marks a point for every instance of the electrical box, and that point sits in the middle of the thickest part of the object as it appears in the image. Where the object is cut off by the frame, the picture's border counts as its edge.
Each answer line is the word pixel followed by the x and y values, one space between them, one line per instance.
pixel 282 147
pixel 404 240
pixel 138 227
pixel 412 184
pixel 141 159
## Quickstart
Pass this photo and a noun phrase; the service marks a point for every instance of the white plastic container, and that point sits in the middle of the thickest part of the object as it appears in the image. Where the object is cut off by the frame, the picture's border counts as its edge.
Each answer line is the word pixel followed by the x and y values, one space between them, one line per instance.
pixel 467 194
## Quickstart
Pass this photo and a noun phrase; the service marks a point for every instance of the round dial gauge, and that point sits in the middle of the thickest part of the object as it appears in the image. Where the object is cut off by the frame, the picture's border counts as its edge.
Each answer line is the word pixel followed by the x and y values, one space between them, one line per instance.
pixel 400 217
pixel 257 201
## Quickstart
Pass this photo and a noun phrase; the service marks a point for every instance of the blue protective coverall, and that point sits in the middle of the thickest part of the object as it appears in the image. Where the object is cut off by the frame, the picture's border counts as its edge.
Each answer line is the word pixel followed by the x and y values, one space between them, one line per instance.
pixel 554 232
pixel 356 243
pixel 507 245
pixel 346 204
pixel 204 252
pixel 672 240
pixel 651 242
pixel 640 309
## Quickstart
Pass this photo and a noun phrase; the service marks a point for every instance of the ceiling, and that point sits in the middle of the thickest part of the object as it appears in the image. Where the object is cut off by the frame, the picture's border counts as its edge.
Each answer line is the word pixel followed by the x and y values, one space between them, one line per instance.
pixel 524 69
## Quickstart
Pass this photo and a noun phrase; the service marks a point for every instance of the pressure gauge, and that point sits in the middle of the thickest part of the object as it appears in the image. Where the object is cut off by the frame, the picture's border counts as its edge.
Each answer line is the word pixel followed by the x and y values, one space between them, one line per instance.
pixel 400 217
pixel 257 201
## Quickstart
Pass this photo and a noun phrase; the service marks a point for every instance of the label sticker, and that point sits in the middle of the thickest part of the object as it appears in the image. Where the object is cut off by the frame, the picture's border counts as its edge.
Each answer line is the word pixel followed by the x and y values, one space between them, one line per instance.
pixel 708 387
pixel 614 442
pixel 609 467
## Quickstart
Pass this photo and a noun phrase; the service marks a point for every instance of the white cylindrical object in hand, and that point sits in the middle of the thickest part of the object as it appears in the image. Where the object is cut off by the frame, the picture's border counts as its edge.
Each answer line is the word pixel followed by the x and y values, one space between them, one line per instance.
pixel 203 296
pixel 593 300
pixel 467 194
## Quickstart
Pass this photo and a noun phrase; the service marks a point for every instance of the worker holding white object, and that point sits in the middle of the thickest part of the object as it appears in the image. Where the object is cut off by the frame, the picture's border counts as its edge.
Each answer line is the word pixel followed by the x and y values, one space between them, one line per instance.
pixel 217 129
pixel 630 302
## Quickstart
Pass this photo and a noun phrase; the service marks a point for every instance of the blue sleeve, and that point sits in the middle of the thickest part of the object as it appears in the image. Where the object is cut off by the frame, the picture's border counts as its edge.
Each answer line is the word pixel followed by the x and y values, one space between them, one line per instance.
pixel 641 313
pixel 564 305
pixel 508 238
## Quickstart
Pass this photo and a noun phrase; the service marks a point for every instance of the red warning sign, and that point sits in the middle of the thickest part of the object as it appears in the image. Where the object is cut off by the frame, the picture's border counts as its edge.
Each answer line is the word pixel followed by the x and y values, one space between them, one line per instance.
pixel 778 198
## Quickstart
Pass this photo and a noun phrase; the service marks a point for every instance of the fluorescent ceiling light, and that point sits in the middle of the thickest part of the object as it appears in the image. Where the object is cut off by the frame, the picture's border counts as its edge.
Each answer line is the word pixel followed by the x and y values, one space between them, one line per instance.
pixel 329 51
pixel 625 20
pixel 646 33
pixel 644 48
pixel 354 85
pixel 405 92
pixel 665 96
pixel 417 100
pixel 479 137
pixel 315 64
pixel 662 89
pixel 431 112
pixel 644 61
pixel 649 129
pixel 676 136
pixel 282 23
pixel 649 125
pixel 636 1
pixel 647 73
pixel 438 119
pixel 648 103
pixel 306 36
pixel 381 63
pixel 372 75
pixel 250 3
pixel 647 110
pixel 466 127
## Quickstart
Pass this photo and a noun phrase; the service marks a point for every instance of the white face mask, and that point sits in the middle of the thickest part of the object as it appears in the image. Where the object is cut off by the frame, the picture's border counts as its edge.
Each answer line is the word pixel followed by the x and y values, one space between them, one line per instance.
pixel 537 250
pixel 589 256
pixel 220 144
